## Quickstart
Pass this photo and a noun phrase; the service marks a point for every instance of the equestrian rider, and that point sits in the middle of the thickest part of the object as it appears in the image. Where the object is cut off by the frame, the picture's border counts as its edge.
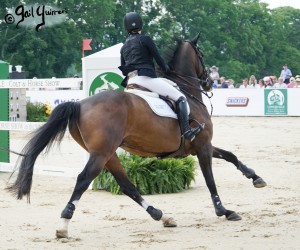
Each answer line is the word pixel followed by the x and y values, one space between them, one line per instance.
pixel 137 56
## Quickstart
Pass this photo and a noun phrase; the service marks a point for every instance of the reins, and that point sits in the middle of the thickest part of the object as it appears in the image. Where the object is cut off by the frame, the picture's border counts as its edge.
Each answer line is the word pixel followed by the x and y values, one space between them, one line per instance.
pixel 187 84
pixel 193 78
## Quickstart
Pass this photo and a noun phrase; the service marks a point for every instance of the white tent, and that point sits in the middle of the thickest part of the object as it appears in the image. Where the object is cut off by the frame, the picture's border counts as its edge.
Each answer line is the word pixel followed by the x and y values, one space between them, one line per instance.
pixel 107 60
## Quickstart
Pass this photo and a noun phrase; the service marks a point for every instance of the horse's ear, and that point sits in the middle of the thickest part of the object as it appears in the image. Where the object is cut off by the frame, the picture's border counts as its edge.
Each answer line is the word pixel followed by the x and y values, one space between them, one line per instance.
pixel 195 39
pixel 177 39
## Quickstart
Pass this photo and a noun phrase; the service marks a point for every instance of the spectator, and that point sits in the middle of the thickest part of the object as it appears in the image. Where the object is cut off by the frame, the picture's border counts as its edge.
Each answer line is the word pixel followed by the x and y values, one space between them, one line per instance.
pixel 261 84
pixel 280 84
pixel 214 76
pixel 273 80
pixel 292 83
pixel 224 85
pixel 215 86
pixel 286 74
pixel 222 80
pixel 297 80
pixel 245 85
pixel 252 81
pixel 268 82
pixel 230 84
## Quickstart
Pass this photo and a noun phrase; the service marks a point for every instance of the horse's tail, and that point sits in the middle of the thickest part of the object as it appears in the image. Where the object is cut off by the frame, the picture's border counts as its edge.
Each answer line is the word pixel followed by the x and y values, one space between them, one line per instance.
pixel 44 137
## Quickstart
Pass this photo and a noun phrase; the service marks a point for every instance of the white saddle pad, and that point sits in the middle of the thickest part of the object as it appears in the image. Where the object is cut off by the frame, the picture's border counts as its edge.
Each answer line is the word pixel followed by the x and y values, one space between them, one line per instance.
pixel 158 106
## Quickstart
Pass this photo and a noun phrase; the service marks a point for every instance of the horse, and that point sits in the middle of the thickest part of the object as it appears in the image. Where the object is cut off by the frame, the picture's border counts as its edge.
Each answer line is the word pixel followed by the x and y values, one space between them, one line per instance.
pixel 110 119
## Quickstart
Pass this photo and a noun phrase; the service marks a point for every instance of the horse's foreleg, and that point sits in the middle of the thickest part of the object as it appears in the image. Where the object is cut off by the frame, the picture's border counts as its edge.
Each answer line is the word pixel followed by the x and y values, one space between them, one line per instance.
pixel 92 169
pixel 115 167
pixel 219 153
pixel 204 154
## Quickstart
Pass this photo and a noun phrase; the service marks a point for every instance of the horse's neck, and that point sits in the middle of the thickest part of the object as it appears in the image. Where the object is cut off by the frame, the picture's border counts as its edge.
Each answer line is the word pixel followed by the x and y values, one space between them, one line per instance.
pixel 189 90
pixel 194 97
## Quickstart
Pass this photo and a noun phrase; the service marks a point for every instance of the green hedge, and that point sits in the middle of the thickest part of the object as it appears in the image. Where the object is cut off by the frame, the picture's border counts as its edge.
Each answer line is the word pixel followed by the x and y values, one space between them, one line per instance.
pixel 150 175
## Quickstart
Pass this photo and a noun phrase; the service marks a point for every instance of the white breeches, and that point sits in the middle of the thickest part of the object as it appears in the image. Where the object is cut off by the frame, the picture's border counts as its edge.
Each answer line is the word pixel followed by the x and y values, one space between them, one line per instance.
pixel 157 85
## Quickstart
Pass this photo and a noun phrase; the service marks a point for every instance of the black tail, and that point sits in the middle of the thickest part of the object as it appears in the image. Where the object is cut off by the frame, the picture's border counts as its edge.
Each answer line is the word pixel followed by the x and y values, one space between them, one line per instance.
pixel 44 137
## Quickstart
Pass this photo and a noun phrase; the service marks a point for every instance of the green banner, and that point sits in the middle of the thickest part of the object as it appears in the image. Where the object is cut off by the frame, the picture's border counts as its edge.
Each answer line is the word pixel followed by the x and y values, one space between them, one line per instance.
pixel 106 81
pixel 4 112
pixel 276 102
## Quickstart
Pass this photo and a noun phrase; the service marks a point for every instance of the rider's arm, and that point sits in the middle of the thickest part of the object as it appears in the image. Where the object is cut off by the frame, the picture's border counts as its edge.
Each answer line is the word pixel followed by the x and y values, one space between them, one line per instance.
pixel 122 60
pixel 148 42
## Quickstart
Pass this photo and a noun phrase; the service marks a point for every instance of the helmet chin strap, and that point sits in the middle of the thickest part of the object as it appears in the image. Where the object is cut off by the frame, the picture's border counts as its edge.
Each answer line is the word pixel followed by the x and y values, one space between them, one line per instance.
pixel 135 32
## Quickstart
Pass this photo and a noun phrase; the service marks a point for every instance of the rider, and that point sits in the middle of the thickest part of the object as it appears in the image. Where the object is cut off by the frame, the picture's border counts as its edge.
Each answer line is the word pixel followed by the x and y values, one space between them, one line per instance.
pixel 137 55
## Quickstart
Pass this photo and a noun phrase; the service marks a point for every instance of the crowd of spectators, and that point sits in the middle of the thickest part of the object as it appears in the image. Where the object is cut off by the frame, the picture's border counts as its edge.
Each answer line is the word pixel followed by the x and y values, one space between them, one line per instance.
pixel 285 80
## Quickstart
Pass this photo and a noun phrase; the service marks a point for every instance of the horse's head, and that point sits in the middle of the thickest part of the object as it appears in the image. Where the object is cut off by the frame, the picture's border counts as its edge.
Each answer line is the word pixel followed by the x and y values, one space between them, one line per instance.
pixel 189 65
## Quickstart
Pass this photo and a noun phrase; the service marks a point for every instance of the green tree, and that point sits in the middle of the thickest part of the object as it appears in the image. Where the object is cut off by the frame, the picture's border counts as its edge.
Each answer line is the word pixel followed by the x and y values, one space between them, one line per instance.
pixel 241 37
pixel 52 50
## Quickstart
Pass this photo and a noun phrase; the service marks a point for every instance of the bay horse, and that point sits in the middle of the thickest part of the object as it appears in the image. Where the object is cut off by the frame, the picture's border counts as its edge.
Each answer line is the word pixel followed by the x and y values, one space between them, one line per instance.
pixel 111 119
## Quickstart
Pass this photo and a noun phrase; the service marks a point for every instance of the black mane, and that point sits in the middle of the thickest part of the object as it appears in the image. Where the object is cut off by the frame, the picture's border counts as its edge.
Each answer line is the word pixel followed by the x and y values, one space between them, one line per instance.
pixel 168 54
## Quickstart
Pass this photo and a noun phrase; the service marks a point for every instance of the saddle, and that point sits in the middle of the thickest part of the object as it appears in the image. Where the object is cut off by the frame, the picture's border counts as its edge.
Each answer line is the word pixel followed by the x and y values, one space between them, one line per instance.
pixel 137 89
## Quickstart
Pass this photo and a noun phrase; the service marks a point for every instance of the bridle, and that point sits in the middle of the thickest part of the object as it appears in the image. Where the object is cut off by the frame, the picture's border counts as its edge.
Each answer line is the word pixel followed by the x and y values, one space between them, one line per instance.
pixel 203 80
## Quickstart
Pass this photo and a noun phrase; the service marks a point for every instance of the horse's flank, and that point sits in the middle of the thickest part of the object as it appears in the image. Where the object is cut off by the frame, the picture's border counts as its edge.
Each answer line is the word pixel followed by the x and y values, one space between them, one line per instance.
pixel 137 130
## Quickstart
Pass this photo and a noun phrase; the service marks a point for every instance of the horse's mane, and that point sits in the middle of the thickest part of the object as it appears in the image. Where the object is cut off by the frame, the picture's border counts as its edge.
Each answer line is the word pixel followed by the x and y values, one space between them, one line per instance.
pixel 168 54
pixel 170 50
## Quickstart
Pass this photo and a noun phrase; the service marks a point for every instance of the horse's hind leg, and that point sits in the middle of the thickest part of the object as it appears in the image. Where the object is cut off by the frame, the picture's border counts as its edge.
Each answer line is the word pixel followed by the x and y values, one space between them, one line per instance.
pixel 93 167
pixel 115 167
pixel 258 182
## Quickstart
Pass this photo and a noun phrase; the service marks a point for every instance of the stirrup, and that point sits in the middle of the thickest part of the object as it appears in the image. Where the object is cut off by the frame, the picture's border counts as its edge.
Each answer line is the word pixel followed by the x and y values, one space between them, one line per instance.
pixel 192 132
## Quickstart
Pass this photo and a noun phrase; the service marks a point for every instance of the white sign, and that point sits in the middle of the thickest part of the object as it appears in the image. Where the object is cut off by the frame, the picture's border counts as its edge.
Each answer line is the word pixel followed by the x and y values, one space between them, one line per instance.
pixel 51 83
pixel 248 102
pixel 55 97
pixel 20 126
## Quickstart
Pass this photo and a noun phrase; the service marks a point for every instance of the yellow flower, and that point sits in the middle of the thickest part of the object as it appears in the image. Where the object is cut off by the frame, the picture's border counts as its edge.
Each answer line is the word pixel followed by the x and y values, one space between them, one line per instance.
pixel 48 109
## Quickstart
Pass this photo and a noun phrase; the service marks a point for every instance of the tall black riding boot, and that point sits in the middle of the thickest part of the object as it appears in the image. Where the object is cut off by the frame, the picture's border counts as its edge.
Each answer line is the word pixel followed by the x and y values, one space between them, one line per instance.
pixel 183 118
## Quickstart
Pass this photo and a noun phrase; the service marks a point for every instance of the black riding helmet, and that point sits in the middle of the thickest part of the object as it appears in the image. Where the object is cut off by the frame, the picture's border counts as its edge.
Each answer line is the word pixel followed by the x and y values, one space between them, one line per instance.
pixel 133 21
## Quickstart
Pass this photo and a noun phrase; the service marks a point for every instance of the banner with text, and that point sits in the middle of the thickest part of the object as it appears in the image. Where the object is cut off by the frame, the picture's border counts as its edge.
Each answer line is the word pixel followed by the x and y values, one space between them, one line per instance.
pixel 276 102
pixel 51 83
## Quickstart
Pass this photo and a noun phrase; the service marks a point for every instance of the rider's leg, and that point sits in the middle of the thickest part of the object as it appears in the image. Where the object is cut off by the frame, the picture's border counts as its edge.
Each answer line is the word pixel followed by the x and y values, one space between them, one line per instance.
pixel 164 89
pixel 158 86
pixel 183 118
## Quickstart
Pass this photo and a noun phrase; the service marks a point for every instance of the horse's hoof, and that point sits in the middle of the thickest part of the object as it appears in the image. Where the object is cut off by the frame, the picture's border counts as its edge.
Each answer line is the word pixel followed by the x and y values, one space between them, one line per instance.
pixel 233 217
pixel 61 233
pixel 170 222
pixel 259 183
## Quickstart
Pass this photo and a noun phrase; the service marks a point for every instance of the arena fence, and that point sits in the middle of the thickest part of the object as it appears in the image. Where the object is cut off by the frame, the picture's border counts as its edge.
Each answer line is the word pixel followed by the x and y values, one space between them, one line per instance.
pixel 7 126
